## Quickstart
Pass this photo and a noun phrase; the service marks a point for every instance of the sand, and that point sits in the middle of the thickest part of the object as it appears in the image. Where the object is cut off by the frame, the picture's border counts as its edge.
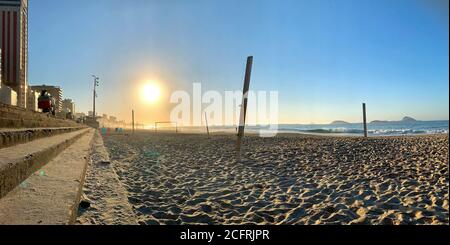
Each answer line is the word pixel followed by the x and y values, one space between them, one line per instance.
pixel 290 179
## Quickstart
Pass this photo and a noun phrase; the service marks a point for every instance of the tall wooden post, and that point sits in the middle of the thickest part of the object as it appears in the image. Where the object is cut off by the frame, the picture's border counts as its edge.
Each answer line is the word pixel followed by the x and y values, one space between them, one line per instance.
pixel 132 119
pixel 365 120
pixel 241 131
pixel 207 127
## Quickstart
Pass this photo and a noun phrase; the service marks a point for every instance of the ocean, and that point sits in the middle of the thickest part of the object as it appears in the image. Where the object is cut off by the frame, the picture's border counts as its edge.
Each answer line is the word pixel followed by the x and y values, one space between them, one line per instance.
pixel 374 129
pixel 349 129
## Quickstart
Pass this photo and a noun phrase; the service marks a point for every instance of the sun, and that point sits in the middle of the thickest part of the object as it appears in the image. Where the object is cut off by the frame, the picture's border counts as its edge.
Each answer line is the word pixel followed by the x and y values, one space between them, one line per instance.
pixel 151 92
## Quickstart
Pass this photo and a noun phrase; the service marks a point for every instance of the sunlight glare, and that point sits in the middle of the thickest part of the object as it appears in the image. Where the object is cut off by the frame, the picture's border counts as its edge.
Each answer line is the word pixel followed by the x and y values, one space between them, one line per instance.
pixel 151 92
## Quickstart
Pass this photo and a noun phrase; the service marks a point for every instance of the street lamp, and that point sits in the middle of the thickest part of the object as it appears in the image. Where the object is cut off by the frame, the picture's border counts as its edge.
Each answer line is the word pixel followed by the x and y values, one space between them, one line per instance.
pixel 96 84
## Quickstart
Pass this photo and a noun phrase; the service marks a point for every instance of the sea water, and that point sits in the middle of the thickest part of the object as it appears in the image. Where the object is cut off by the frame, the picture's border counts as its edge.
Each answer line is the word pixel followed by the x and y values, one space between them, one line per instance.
pixel 374 129
pixel 356 129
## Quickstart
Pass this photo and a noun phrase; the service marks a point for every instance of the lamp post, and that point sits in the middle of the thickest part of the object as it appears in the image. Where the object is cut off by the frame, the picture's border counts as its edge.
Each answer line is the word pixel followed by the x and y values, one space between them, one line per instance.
pixel 96 84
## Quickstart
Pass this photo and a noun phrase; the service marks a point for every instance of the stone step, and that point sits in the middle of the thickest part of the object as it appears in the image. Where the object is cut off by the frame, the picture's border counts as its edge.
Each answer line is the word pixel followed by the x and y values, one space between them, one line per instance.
pixel 15 117
pixel 28 115
pixel 51 196
pixel 34 123
pixel 11 137
pixel 18 162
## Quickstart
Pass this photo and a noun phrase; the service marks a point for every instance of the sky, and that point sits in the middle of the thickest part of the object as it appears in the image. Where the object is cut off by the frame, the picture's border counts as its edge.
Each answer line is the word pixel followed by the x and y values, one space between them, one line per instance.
pixel 323 57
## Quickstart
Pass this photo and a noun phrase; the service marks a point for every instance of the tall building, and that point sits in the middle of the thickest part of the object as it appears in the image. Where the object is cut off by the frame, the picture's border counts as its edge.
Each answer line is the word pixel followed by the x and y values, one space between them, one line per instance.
pixel 68 106
pixel 7 95
pixel 14 46
pixel 55 92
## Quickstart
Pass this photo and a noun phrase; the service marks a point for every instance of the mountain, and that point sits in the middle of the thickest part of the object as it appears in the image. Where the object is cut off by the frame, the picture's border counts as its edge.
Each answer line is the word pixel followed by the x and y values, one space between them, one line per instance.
pixel 409 119
pixel 404 120
pixel 339 122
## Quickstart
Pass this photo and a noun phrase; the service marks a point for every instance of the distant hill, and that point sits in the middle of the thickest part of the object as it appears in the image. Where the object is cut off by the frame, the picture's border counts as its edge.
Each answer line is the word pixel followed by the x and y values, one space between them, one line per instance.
pixel 405 119
pixel 409 119
pixel 338 122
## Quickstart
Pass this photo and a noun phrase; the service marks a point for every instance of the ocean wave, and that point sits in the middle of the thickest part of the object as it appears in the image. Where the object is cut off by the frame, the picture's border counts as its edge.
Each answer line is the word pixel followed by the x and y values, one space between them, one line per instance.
pixel 407 131
pixel 333 131
pixel 379 132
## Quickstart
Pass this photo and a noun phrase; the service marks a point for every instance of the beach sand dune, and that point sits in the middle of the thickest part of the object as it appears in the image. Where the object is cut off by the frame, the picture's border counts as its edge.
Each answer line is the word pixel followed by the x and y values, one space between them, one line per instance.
pixel 289 179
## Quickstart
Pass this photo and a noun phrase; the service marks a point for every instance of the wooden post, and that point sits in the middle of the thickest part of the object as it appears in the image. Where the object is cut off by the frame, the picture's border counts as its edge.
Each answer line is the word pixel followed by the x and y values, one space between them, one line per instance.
pixel 156 127
pixel 365 120
pixel 132 115
pixel 207 127
pixel 241 131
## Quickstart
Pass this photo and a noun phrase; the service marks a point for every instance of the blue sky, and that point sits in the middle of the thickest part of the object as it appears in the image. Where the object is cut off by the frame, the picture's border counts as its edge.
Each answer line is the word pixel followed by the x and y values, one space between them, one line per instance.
pixel 324 57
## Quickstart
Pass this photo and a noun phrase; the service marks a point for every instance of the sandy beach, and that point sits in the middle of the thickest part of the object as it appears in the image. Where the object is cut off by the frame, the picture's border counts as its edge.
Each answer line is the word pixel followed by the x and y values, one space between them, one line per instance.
pixel 290 179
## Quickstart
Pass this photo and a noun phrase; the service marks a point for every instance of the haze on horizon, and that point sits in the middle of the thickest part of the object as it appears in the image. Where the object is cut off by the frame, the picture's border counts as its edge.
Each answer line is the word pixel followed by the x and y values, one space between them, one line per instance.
pixel 323 57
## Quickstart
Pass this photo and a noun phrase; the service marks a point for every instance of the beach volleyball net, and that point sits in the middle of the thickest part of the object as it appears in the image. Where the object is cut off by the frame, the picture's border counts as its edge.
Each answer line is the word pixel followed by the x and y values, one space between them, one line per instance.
pixel 166 127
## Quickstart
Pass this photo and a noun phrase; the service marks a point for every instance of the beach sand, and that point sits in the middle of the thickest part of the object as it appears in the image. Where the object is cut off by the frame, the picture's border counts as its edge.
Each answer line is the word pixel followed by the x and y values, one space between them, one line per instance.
pixel 289 179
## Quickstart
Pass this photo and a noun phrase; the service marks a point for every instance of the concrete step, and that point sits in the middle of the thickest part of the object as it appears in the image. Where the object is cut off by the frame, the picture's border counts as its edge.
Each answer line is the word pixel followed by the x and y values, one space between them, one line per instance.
pixel 50 196
pixel 18 162
pixel 11 137
pixel 28 115
pixel 15 117
pixel 34 123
